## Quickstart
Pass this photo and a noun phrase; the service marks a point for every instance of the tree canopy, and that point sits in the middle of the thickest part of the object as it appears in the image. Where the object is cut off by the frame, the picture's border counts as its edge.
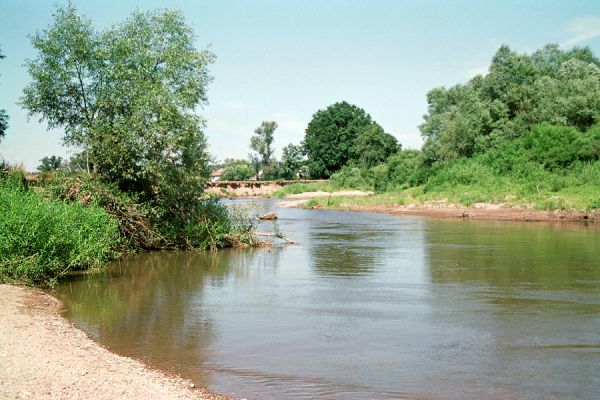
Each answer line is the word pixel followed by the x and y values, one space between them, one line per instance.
pixel 126 95
pixel 261 141
pixel 292 161
pixel 549 86
pixel 373 146
pixel 236 170
pixel 330 137
pixel 48 164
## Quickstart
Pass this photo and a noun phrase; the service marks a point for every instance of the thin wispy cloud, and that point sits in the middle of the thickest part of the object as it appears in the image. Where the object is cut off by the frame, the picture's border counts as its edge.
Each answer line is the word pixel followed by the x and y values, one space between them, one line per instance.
pixel 582 30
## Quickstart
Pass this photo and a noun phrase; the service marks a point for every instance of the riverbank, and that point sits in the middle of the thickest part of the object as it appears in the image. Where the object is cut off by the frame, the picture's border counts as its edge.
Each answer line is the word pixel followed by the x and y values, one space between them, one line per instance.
pixel 478 211
pixel 43 356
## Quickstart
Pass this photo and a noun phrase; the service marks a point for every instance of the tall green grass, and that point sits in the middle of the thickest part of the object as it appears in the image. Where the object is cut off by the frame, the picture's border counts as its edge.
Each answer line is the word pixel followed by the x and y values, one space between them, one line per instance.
pixel 42 240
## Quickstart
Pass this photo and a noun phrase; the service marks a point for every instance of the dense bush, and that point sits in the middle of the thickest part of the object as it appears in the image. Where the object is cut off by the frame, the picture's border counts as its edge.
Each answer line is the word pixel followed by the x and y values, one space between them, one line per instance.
pixel 352 177
pixel 42 240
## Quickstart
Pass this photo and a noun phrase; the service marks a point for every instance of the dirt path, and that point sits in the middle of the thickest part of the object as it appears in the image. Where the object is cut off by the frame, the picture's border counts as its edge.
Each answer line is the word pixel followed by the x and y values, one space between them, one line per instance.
pixel 43 356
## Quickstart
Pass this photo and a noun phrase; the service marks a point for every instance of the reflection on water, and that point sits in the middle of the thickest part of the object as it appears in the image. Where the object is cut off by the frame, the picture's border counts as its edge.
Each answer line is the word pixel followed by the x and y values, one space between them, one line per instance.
pixel 367 306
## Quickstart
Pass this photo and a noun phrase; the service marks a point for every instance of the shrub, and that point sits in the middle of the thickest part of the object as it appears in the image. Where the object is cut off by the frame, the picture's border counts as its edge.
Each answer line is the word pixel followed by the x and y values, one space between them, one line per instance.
pixel 380 177
pixel 351 177
pixel 402 168
pixel 554 146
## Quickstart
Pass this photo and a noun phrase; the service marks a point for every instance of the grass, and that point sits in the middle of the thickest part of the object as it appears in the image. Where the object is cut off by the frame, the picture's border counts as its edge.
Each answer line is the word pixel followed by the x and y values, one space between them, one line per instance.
pixel 76 223
pixel 42 240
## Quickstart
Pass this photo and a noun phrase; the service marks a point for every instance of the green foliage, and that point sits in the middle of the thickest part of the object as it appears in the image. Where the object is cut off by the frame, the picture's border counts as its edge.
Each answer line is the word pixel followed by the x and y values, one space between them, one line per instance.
pixel 272 171
pixel 137 222
pixel 42 240
pixel 553 146
pixel 77 163
pixel 48 164
pixel 236 170
pixel 213 226
pixel 380 177
pixel 292 162
pixel 520 91
pixel 330 137
pixel 403 168
pixel 373 146
pixel 262 140
pixel 127 95
pixel 352 177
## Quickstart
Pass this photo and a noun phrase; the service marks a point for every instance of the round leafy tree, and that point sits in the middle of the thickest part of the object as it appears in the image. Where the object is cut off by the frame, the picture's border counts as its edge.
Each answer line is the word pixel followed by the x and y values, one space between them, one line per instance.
pixel 331 135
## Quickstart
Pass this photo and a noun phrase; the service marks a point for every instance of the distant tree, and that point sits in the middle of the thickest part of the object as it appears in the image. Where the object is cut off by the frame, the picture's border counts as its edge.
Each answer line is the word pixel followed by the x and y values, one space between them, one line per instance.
pixel 262 140
pixel 3 116
pixel 236 170
pixel 292 161
pixel 128 96
pixel 271 171
pixel 330 137
pixel 52 163
pixel 256 163
pixel 373 146
pixel 519 92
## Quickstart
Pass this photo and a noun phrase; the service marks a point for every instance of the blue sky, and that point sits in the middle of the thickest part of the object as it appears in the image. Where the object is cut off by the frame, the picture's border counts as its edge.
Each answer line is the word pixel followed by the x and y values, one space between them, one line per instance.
pixel 284 60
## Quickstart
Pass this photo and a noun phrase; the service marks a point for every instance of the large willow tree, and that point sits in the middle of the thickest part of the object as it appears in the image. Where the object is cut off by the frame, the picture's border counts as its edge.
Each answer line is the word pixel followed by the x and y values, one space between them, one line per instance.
pixel 126 95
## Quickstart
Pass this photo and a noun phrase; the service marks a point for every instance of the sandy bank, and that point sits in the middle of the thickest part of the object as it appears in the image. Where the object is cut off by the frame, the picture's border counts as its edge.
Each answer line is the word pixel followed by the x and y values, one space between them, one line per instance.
pixel 43 356
pixel 479 211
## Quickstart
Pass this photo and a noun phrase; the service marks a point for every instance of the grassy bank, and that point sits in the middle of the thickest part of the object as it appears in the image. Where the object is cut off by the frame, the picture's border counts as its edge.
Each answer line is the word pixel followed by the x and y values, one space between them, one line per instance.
pixel 42 240
pixel 466 182
pixel 550 168
pixel 66 224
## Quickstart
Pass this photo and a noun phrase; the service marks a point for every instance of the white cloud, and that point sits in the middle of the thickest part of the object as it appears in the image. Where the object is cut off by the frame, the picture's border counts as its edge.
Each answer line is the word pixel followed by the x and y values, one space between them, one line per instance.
pixel 582 30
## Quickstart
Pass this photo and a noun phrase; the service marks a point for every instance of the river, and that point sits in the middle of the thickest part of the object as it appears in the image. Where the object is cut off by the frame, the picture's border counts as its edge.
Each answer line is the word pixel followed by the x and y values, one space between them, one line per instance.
pixel 365 306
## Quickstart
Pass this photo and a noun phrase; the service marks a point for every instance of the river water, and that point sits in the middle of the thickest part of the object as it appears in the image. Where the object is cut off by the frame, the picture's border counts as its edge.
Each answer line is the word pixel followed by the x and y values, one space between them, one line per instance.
pixel 366 306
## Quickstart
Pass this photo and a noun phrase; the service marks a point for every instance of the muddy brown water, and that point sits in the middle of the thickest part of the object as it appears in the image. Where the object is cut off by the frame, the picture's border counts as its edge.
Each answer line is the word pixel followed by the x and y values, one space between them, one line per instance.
pixel 367 306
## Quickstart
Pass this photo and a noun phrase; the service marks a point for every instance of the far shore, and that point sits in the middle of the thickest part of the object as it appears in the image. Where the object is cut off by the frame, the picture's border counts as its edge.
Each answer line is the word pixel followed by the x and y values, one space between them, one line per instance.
pixel 433 209
pixel 479 211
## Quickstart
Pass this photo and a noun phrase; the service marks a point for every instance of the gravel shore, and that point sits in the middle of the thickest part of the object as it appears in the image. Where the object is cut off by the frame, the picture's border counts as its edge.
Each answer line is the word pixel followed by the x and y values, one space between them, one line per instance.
pixel 43 356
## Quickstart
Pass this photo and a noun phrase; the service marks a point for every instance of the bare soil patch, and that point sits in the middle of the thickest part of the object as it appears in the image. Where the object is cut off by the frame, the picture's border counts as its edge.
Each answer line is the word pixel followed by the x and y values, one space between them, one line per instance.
pixel 43 356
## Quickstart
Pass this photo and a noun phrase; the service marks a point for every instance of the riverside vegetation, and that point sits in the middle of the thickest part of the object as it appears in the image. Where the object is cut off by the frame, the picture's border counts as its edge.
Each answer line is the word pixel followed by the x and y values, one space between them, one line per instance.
pixel 527 134
pixel 125 97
